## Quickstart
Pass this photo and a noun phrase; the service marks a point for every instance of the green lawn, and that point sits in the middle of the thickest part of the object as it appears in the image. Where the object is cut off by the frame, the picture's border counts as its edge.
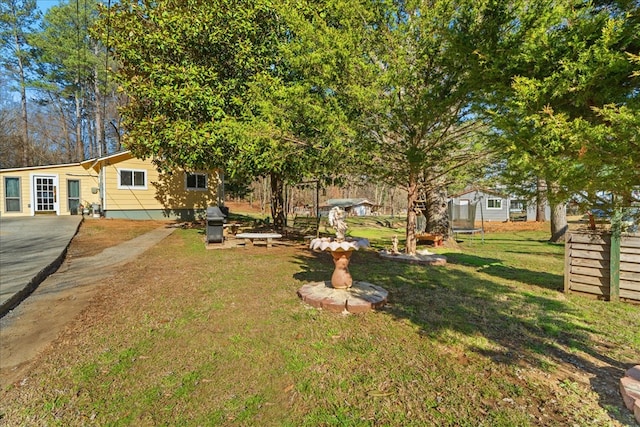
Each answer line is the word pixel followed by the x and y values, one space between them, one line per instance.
pixel 188 336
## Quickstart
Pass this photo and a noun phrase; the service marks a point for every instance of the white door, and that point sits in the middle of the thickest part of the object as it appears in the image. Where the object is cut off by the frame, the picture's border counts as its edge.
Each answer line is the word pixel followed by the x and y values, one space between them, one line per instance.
pixel 45 194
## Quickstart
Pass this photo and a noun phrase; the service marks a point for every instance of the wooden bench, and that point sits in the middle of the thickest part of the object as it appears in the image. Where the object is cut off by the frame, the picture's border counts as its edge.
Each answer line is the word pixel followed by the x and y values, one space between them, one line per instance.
pixel 429 237
pixel 306 225
pixel 249 238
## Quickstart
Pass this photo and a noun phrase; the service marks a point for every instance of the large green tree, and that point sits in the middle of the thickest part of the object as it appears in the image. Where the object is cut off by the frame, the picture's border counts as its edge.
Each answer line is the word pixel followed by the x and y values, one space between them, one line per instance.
pixel 231 84
pixel 300 113
pixel 185 67
pixel 415 115
pixel 566 100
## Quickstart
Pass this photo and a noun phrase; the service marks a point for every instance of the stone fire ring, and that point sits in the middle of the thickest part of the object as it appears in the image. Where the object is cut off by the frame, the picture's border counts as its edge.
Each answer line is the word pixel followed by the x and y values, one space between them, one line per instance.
pixel 359 298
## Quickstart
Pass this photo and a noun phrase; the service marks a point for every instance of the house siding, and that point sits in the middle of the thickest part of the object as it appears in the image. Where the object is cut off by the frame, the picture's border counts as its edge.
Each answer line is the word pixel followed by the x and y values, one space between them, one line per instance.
pixel 492 214
pixel 87 178
pixel 133 198
pixel 164 196
pixel 482 211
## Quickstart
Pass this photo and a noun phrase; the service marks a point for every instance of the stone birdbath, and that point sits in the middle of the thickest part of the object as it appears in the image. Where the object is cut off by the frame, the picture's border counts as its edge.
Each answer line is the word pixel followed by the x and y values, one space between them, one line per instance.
pixel 341 293
pixel 341 252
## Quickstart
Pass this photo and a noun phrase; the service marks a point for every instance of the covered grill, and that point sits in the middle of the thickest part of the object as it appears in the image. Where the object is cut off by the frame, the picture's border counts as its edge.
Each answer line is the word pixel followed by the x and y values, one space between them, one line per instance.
pixel 215 220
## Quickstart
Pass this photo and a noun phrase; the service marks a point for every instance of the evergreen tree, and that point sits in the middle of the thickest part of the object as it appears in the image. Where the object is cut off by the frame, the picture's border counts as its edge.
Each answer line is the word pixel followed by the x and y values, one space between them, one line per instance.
pixel 567 99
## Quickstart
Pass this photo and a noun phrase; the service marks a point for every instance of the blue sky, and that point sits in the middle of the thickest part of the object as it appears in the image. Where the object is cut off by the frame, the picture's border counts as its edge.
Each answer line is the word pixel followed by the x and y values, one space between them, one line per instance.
pixel 43 5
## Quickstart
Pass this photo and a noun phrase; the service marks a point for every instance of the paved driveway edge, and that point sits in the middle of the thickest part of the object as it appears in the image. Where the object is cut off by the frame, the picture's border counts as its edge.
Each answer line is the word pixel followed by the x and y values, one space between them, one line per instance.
pixel 33 284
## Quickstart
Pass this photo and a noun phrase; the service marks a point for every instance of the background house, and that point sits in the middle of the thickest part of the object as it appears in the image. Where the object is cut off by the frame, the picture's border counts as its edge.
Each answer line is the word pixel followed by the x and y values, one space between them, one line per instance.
pixel 495 206
pixel 353 207
pixel 116 186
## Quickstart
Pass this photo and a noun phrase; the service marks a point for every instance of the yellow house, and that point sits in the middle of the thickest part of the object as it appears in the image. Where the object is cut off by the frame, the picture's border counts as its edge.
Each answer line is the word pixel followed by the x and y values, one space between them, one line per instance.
pixel 116 186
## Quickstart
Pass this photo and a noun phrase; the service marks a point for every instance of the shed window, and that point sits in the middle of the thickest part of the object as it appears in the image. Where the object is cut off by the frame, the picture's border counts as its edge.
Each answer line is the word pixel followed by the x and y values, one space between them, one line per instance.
pixel 132 179
pixel 12 194
pixel 494 203
pixel 196 181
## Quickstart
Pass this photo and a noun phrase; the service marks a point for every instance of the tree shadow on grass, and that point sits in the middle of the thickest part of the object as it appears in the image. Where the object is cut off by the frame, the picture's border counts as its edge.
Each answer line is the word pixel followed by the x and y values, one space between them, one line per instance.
pixel 495 267
pixel 522 327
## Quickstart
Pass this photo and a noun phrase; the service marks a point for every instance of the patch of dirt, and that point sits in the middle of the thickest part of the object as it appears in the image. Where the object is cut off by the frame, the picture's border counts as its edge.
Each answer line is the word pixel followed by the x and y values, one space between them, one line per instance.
pixel 496 227
pixel 244 207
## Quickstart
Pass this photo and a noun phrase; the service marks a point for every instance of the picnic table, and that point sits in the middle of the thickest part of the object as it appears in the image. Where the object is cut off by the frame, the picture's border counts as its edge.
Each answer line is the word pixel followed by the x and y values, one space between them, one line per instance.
pixel 249 238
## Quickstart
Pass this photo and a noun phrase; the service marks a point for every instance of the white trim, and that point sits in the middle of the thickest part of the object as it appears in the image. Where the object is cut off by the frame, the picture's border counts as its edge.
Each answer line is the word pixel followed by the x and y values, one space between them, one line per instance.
pixel 107 157
pixel 102 179
pixel 132 187
pixel 495 208
pixel 32 189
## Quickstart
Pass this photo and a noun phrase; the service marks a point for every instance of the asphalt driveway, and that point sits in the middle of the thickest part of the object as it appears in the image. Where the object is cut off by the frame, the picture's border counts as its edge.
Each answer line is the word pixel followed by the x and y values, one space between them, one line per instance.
pixel 31 248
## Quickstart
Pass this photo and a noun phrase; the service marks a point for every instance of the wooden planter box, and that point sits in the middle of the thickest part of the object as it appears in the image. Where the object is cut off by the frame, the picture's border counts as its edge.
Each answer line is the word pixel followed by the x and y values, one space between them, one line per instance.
pixel 597 264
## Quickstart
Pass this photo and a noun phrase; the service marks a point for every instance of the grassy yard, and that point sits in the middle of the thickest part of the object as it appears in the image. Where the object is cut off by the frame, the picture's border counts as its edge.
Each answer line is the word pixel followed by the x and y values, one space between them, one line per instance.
pixel 188 336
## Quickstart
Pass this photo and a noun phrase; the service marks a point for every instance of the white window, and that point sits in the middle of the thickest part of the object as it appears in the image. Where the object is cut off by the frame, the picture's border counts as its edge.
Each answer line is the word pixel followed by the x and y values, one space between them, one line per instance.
pixel 129 179
pixel 196 181
pixel 494 203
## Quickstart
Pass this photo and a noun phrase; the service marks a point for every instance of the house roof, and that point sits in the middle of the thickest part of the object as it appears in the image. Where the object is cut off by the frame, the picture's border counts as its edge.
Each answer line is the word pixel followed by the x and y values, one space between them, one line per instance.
pixel 347 203
pixel 478 190
pixel 91 162
pixel 97 162
pixel 26 168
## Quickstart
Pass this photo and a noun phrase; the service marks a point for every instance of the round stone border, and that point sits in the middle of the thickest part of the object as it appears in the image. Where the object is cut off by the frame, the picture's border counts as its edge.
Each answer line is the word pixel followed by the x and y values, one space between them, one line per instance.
pixel 359 298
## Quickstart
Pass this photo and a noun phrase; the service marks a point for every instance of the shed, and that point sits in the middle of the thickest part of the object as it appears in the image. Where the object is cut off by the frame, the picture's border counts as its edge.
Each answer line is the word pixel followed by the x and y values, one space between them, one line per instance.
pixel 353 207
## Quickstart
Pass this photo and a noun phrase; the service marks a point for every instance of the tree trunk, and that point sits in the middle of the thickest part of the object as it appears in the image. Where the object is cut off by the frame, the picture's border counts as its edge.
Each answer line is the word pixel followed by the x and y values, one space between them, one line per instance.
pixel 117 134
pixel 559 224
pixel 65 129
pixel 277 201
pixel 541 200
pixel 100 140
pixel 392 200
pixel 412 198
pixel 436 212
pixel 264 186
pixel 79 144
pixel 380 194
pixel 24 123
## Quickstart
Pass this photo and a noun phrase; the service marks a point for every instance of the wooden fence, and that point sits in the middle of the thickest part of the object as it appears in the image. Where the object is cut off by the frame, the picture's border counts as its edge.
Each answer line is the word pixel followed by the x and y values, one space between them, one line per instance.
pixel 603 265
